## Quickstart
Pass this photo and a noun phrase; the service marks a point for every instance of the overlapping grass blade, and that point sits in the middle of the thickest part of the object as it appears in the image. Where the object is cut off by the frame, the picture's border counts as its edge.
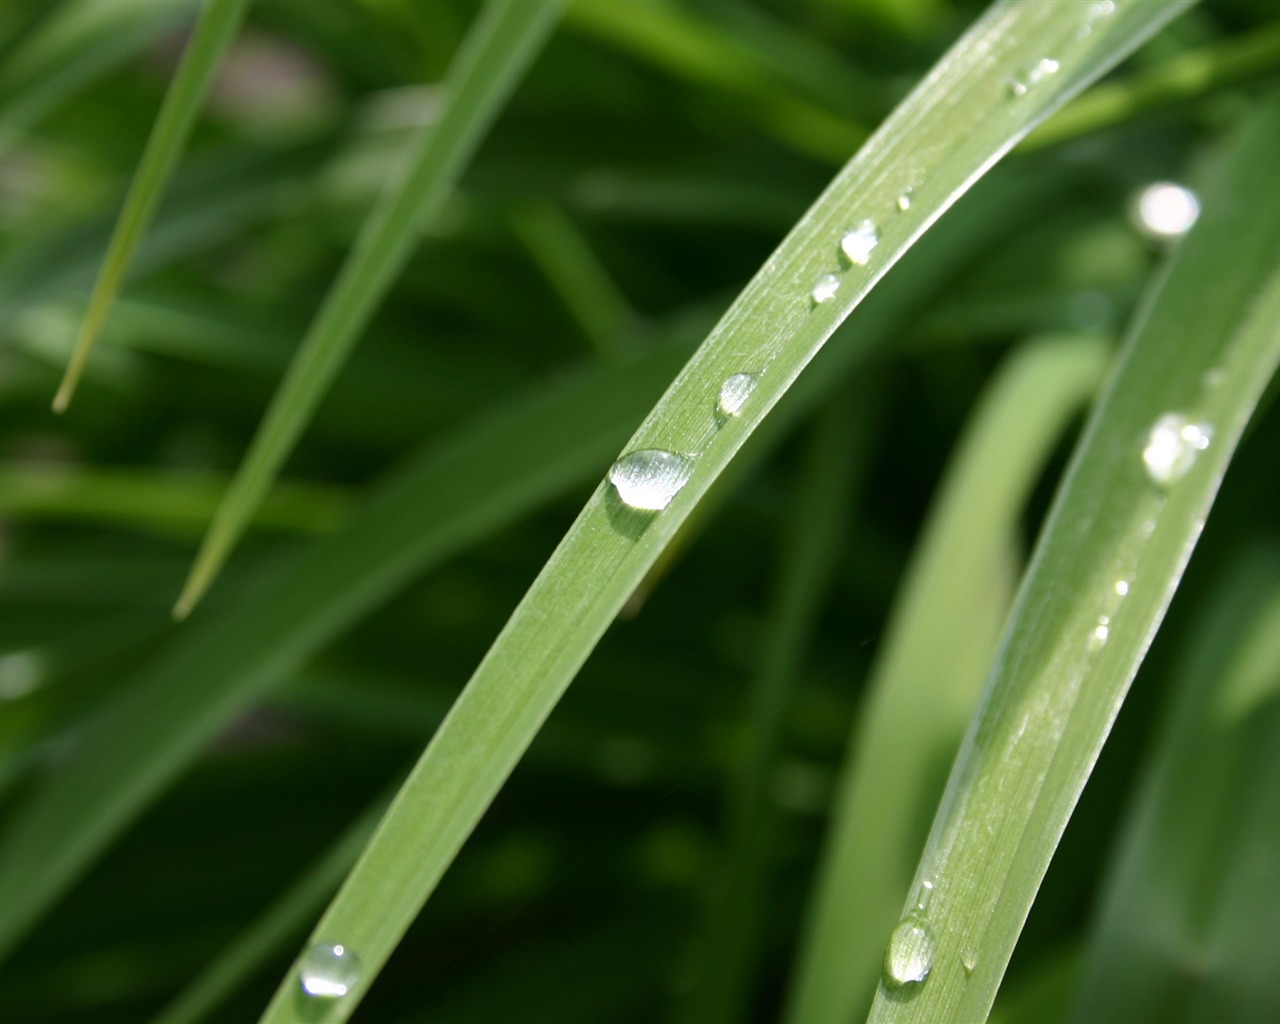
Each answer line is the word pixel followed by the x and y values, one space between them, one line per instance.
pixel 1108 561
pixel 493 470
pixel 729 946
pixel 502 43
pixel 215 29
pixel 1188 923
pixel 937 653
pixel 945 135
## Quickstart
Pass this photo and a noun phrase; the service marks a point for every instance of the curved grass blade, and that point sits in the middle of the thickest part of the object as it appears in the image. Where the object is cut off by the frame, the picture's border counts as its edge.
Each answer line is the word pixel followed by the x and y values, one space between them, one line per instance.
pixel 501 44
pixel 1189 915
pixel 1122 528
pixel 937 653
pixel 495 470
pixel 945 135
pixel 728 949
pixel 215 29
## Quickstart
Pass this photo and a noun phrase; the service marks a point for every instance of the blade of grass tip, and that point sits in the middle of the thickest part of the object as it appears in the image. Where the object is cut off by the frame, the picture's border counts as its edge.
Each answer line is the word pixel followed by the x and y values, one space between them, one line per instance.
pixel 1122 527
pixel 949 131
pixel 1188 76
pixel 499 47
pixel 279 924
pixel 940 639
pixel 725 954
pixel 553 241
pixel 1188 924
pixel 75 45
pixel 215 29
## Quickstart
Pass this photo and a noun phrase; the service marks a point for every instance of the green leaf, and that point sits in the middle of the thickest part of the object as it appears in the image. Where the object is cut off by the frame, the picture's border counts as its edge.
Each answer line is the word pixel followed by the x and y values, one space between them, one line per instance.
pixel 1188 922
pixel 1112 553
pixel 937 653
pixel 501 44
pixel 214 31
pixel 977 103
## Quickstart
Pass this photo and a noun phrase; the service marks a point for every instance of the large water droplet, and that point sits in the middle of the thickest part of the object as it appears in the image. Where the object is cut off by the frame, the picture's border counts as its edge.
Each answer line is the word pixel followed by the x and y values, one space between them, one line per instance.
pixel 857 243
pixel 909 958
pixel 649 478
pixel 825 289
pixel 1172 447
pixel 734 393
pixel 329 972
pixel 1164 212
pixel 1023 83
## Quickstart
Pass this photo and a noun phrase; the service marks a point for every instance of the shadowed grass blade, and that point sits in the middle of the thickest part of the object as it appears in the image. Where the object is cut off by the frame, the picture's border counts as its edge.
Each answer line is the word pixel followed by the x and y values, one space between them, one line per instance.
pixel 1122 528
pixel 501 44
pixel 1189 920
pixel 215 29
pixel 936 655
pixel 978 102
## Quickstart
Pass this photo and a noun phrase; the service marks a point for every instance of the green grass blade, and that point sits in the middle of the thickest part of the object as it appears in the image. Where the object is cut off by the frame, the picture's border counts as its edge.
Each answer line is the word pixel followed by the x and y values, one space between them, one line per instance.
pixel 215 29
pixel 937 653
pixel 282 922
pixel 1188 924
pixel 500 46
pixel 1108 561
pixel 945 135
pixel 729 948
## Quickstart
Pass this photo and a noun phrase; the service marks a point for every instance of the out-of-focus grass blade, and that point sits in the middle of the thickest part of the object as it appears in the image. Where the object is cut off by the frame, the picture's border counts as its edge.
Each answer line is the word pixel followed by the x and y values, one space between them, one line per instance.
pixel 1124 523
pixel 980 99
pixel 729 946
pixel 1189 919
pixel 215 29
pixel 269 934
pixel 166 502
pixel 74 46
pixel 937 653
pixel 496 52
pixel 491 472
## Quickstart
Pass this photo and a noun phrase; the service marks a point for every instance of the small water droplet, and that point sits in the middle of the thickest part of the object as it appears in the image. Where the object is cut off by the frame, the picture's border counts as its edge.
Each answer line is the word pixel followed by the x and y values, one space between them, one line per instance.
pixel 1021 84
pixel 734 393
pixel 924 895
pixel 904 198
pixel 329 971
pixel 909 958
pixel 1122 587
pixel 1164 212
pixel 826 288
pixel 650 477
pixel 857 243
pixel 1101 633
pixel 1172 447
pixel 970 961
pixel 1096 12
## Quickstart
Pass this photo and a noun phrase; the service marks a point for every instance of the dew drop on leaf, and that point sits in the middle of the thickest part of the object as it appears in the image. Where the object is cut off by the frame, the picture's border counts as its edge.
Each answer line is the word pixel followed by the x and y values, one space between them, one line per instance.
pixel 649 478
pixel 909 958
pixel 857 244
pixel 734 393
pixel 1172 447
pixel 328 971
pixel 825 289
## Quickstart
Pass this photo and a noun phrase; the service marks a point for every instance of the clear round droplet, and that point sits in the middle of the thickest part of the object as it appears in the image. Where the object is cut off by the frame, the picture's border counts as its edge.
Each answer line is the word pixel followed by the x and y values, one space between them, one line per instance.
pixel 1172 447
pixel 970 961
pixel 904 198
pixel 857 244
pixel 649 478
pixel 825 289
pixel 909 958
pixel 1122 587
pixel 734 393
pixel 329 971
pixel 1164 212
pixel 1024 82
pixel 1101 633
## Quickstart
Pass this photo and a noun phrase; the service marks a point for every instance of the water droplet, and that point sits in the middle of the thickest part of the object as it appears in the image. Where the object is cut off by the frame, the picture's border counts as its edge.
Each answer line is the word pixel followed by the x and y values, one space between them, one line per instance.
pixel 1097 12
pixel 328 971
pixel 649 478
pixel 909 958
pixel 970 961
pixel 904 198
pixel 1101 632
pixel 924 895
pixel 857 243
pixel 1021 84
pixel 1172 446
pixel 1122 587
pixel 734 393
pixel 826 288
pixel 1164 212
